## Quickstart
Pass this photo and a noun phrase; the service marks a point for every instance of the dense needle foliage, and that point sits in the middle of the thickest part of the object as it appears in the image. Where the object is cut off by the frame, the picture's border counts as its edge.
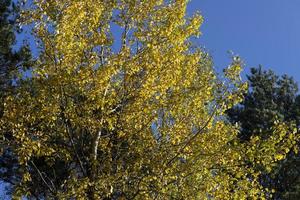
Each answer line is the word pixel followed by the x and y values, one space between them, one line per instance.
pixel 12 60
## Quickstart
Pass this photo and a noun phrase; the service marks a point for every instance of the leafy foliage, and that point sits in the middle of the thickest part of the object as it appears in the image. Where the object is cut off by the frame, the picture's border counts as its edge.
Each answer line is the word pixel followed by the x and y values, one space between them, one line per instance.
pixel 142 121
pixel 11 61
pixel 270 98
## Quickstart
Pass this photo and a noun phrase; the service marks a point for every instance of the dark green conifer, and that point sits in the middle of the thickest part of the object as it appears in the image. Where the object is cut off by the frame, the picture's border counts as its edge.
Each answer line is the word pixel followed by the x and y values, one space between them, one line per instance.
pixel 269 98
pixel 13 59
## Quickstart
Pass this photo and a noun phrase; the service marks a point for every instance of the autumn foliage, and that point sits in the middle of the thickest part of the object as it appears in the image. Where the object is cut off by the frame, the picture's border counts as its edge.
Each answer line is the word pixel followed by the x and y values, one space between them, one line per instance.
pixel 122 104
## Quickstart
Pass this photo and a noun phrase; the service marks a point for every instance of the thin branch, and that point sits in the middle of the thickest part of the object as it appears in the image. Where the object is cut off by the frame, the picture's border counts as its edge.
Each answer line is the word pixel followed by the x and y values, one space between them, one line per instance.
pixel 69 131
pixel 124 35
pixel 43 179
pixel 192 138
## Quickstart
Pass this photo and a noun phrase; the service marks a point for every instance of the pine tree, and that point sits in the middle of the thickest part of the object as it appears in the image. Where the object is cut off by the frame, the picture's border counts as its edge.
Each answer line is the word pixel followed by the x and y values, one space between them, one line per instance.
pixel 268 99
pixel 257 112
pixel 11 61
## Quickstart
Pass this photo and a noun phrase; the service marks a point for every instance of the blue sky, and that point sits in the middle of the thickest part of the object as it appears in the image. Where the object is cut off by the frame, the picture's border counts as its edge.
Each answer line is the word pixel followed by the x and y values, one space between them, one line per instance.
pixel 265 32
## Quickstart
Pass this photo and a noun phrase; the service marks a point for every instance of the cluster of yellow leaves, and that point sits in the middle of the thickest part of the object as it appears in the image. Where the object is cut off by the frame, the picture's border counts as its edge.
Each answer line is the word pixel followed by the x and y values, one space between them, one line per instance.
pixel 139 115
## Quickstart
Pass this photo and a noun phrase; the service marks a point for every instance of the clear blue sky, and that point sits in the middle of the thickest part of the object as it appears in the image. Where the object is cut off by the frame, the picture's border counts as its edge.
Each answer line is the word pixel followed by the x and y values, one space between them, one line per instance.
pixel 263 32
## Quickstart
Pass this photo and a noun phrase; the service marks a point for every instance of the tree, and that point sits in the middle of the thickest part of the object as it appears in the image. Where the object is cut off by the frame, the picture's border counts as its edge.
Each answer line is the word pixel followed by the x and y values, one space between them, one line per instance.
pixel 135 115
pixel 11 61
pixel 269 98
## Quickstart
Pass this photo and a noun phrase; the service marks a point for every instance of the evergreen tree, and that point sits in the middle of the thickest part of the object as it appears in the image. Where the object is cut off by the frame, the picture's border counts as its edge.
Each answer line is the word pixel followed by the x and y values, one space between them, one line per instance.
pixel 257 113
pixel 11 61
pixel 268 99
